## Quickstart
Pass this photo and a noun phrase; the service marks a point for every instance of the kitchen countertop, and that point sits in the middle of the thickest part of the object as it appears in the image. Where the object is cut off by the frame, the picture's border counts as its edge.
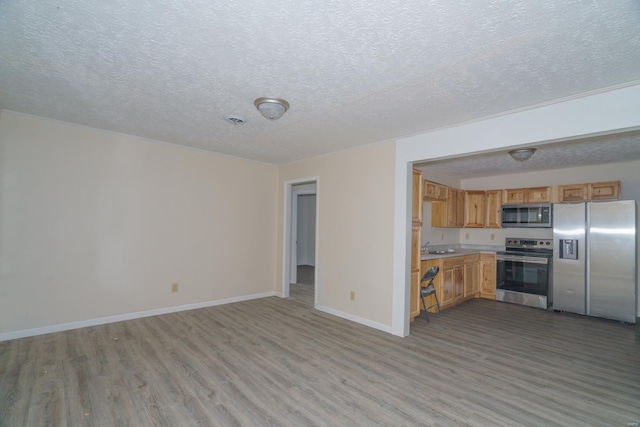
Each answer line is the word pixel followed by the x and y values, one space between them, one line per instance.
pixel 460 252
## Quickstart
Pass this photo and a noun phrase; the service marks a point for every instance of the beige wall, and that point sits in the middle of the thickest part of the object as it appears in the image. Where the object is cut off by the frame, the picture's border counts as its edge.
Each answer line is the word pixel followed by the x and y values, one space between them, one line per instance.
pixel 97 224
pixel 355 229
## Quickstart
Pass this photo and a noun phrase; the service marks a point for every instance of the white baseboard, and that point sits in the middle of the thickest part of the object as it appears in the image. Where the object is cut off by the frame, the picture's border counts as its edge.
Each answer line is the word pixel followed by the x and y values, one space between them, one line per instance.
pixel 362 321
pixel 127 316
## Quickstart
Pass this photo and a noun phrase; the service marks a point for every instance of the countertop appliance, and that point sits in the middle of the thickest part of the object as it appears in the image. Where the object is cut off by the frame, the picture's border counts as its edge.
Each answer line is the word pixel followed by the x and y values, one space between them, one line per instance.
pixel 595 259
pixel 524 272
pixel 529 215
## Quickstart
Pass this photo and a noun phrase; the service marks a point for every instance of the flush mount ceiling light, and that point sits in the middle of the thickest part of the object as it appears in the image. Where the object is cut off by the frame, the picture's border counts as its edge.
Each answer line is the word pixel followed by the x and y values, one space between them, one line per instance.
pixel 522 154
pixel 271 108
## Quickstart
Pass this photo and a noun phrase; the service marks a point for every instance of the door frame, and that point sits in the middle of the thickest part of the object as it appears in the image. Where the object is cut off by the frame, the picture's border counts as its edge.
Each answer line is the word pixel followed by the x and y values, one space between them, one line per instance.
pixel 289 231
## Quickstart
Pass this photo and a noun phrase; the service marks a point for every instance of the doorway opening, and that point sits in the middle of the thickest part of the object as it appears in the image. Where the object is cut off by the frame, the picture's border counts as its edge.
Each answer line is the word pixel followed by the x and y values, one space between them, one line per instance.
pixel 300 240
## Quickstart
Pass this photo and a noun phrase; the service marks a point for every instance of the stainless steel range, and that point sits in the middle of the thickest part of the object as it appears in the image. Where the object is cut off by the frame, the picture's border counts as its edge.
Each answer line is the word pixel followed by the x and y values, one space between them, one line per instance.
pixel 524 272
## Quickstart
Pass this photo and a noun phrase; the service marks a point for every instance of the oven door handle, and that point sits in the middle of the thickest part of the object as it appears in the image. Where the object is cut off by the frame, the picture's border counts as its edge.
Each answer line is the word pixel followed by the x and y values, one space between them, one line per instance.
pixel 517 258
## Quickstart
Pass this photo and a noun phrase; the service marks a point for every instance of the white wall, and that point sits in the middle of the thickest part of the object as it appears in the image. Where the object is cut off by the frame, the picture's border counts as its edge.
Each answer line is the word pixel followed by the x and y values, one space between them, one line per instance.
pixel 610 111
pixel 96 224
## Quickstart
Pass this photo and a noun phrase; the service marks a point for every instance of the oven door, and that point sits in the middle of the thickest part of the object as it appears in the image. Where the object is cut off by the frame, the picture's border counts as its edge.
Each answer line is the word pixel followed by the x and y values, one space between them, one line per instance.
pixel 525 274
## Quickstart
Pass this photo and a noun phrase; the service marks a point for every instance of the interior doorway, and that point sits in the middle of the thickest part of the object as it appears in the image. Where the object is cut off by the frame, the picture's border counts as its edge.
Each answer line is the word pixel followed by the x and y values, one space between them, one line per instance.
pixel 300 235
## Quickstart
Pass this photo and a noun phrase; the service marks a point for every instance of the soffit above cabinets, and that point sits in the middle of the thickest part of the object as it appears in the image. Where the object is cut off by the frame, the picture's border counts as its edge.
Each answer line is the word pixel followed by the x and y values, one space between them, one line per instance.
pixel 604 149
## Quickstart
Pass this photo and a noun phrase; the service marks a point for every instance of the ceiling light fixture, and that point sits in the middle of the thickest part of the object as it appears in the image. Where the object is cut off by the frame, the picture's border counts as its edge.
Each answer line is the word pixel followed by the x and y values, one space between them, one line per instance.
pixel 522 154
pixel 271 108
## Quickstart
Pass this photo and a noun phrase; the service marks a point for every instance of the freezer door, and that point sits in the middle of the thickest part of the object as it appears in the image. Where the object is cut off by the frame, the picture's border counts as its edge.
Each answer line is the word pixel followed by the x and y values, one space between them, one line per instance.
pixel 569 274
pixel 612 260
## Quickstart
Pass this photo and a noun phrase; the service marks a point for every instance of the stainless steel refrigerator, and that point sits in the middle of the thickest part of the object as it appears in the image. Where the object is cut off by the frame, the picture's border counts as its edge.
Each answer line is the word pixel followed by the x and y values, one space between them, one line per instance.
pixel 594 259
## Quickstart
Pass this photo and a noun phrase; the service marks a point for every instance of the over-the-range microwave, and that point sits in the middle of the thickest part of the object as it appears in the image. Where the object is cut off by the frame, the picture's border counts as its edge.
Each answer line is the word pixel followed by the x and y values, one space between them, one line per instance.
pixel 532 215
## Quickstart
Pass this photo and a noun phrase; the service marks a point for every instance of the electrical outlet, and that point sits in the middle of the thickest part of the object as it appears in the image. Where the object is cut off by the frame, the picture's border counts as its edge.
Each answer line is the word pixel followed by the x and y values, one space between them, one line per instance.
pixel 442 237
pixel 493 236
pixel 174 287
pixel 352 295
pixel 466 236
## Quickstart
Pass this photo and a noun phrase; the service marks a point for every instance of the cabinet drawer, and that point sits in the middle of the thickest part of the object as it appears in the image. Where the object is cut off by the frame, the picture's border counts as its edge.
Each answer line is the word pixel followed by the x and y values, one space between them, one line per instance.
pixel 452 262
pixel 471 258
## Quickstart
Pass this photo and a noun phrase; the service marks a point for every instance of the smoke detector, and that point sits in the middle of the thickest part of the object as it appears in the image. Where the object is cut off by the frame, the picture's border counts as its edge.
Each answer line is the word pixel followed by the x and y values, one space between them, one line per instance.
pixel 235 120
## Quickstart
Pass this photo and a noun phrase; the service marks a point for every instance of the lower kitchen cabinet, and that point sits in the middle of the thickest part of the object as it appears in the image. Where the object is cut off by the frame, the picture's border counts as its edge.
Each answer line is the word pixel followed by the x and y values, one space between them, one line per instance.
pixel 488 276
pixel 471 276
pixel 452 281
pixel 460 278
pixel 415 272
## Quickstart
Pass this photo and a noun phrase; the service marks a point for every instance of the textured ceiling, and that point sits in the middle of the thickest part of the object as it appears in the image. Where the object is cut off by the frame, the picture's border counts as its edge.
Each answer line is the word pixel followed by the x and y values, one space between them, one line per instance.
pixel 353 71
pixel 621 147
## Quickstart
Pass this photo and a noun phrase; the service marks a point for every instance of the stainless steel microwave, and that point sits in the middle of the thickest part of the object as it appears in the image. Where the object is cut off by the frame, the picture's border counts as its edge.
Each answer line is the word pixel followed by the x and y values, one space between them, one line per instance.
pixel 532 215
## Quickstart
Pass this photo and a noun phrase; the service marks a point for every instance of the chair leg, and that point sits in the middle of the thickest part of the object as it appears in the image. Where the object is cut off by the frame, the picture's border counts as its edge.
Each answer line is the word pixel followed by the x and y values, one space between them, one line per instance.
pixel 426 312
pixel 437 302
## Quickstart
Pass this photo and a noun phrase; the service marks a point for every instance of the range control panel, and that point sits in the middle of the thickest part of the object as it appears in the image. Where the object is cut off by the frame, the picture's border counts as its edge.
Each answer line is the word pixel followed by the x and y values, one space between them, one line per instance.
pixel 514 242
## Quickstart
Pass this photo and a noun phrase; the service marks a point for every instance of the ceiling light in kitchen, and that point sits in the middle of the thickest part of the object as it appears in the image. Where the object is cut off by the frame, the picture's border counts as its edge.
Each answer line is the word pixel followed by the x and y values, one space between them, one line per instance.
pixel 522 154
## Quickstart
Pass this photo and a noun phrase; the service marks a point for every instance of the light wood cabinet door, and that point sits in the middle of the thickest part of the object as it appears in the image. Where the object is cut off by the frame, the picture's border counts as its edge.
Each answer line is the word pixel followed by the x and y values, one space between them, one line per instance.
pixel 415 272
pixel 573 193
pixel 452 281
pixel 448 287
pixel 471 276
pixel 513 196
pixel 416 198
pixel 474 209
pixel 434 191
pixel 609 190
pixel 449 213
pixel 527 195
pixel 458 210
pixel 538 195
pixel 415 294
pixel 494 209
pixel 455 208
pixel 488 276
pixel 458 282
pixel 604 190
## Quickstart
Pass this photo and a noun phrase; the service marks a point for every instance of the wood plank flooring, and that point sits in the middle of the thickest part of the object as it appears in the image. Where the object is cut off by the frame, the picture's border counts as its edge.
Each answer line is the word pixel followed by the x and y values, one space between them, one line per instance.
pixel 279 362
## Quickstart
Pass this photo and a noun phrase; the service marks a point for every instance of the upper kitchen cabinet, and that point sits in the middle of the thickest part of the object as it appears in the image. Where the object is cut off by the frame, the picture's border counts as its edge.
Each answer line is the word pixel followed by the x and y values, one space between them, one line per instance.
pixel 572 193
pixel 604 190
pixel 449 213
pixel 416 198
pixel 527 195
pixel 494 209
pixel 590 191
pixel 474 208
pixel 434 191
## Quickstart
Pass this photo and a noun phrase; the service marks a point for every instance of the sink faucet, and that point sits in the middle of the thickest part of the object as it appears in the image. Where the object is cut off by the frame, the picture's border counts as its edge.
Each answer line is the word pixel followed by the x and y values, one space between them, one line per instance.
pixel 425 247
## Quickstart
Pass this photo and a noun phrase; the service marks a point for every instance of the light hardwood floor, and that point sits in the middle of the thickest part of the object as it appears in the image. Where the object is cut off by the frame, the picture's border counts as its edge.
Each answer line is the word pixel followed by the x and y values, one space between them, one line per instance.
pixel 279 362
